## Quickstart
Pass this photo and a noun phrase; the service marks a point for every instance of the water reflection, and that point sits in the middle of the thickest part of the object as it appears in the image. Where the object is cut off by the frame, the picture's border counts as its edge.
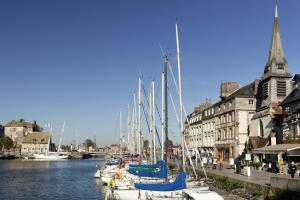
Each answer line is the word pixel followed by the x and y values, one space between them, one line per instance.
pixel 29 179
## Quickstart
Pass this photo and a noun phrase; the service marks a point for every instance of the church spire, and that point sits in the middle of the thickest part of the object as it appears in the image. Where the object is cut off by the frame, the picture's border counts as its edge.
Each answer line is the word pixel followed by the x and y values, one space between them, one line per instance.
pixel 276 49
pixel 276 11
pixel 276 55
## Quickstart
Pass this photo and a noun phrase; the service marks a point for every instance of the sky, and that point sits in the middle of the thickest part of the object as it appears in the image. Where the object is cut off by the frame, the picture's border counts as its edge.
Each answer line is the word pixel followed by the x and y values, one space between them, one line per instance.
pixel 79 61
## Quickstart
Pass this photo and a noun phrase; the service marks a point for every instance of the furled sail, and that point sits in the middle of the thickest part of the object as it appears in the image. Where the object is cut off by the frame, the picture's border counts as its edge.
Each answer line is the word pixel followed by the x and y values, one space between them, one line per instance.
pixel 178 184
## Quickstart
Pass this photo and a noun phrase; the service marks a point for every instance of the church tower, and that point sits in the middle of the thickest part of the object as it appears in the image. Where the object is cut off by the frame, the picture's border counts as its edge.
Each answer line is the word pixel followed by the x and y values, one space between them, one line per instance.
pixel 276 78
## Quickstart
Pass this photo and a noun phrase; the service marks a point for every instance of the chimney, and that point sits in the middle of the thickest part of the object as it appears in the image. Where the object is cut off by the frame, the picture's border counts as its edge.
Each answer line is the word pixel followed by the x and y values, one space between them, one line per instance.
pixel 227 88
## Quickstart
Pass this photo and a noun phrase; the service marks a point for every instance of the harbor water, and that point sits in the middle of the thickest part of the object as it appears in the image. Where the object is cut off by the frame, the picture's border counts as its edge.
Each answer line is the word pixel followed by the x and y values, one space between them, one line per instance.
pixel 66 179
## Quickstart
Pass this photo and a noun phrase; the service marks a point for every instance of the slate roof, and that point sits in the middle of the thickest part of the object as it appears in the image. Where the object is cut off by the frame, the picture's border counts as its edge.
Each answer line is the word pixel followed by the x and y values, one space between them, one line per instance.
pixel 274 149
pixel 249 90
pixel 292 97
pixel 19 123
pixel 36 138
pixel 296 78
pixel 258 142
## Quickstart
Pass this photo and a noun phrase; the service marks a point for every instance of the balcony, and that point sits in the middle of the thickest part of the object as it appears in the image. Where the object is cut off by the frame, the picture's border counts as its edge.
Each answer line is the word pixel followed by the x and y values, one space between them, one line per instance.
pixel 226 141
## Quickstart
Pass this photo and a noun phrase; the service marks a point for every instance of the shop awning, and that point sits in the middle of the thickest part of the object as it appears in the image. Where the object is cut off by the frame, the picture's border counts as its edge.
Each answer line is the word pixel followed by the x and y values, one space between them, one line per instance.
pixel 289 149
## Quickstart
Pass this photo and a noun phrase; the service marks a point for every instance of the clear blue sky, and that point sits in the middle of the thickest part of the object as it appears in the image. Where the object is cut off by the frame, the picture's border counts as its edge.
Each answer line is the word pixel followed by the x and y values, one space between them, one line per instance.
pixel 79 60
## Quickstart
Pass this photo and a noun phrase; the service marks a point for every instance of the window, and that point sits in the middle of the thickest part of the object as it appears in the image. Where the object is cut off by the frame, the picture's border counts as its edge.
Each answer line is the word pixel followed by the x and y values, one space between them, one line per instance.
pixel 250 115
pixel 287 109
pixel 229 104
pixel 229 117
pixel 265 90
pixel 251 102
pixel 280 66
pixel 281 88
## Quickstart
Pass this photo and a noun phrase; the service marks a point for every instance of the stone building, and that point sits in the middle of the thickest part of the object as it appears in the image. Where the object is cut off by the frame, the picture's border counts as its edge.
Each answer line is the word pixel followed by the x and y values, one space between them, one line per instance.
pixel 192 129
pixel 274 87
pixel 291 112
pixel 207 136
pixel 232 117
pixel 199 132
pixel 36 142
pixel 17 129
pixel 114 148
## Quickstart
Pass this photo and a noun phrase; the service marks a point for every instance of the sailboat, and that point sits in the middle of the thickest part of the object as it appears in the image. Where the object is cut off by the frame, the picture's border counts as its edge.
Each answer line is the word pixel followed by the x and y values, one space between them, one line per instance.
pixel 52 155
pixel 173 189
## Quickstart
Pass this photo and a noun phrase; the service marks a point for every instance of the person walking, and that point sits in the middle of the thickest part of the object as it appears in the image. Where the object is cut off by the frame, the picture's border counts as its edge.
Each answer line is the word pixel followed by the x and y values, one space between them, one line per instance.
pixel 215 162
pixel 292 169
pixel 231 163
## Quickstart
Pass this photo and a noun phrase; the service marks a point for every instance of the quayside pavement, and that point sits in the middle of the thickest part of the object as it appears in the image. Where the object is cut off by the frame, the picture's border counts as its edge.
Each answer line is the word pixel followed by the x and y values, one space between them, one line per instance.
pixel 257 177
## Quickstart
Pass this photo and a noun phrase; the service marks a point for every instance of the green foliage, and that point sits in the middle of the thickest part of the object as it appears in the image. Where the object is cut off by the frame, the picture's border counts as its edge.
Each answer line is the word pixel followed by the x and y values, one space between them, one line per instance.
pixel 66 147
pixel 277 194
pixel 6 142
pixel 89 143
pixel 168 143
pixel 292 140
pixel 146 144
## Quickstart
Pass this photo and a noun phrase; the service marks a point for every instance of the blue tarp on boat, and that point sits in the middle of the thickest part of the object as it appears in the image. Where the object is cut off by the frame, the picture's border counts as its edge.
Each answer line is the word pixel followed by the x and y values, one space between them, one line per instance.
pixel 178 184
pixel 162 172
pixel 157 165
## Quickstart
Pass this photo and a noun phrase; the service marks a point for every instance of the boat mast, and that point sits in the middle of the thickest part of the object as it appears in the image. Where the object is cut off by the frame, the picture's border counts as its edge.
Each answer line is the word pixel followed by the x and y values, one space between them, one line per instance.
pixel 154 122
pixel 49 141
pixel 135 125
pixel 165 108
pixel 139 116
pixel 120 133
pixel 128 129
pixel 180 96
pixel 60 140
pixel 162 116
pixel 76 138
pixel 151 127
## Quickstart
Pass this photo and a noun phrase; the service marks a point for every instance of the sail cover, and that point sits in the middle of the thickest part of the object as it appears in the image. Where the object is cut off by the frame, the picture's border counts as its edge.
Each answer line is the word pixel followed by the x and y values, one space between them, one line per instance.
pixel 178 184
pixel 160 172
pixel 159 163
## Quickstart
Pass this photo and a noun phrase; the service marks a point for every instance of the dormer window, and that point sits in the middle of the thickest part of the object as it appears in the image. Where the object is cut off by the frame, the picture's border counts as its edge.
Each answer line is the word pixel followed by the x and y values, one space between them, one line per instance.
pixel 280 66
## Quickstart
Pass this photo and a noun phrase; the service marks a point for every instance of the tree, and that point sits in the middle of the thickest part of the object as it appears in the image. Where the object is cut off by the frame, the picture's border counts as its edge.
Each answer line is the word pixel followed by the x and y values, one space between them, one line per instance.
pixel 89 143
pixel 65 147
pixel 169 143
pixel 146 144
pixel 6 142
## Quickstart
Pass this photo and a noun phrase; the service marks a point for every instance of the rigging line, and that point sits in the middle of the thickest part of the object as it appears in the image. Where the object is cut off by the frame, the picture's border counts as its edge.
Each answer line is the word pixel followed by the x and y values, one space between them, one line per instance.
pixel 173 134
pixel 151 116
pixel 145 114
pixel 183 108
pixel 156 107
pixel 174 107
